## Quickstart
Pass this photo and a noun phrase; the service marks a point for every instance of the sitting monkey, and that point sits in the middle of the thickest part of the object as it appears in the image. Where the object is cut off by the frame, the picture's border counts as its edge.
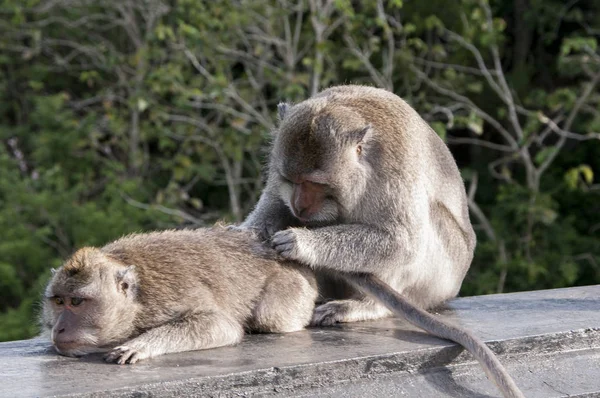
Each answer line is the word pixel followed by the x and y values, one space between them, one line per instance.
pixel 363 191
pixel 146 295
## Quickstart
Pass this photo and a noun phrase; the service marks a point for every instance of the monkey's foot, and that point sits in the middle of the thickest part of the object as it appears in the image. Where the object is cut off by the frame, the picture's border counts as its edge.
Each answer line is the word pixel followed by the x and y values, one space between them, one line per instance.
pixel 330 313
pixel 126 355
pixel 339 311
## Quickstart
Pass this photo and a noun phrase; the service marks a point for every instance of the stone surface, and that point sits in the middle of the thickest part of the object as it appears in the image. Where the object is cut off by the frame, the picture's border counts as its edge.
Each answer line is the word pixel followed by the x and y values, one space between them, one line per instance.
pixel 549 341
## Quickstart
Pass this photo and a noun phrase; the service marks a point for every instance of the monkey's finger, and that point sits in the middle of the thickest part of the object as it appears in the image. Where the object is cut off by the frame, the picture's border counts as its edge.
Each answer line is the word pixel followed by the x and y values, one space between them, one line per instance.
pixel 283 236
pixel 237 228
pixel 113 355
pixel 264 234
pixel 277 240
pixel 287 250
pixel 286 254
pixel 125 357
pixel 284 247
pixel 134 358
pixel 268 231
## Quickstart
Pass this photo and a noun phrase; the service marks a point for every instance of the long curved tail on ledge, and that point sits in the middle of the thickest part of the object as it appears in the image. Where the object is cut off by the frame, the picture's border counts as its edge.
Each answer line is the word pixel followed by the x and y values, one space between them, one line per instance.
pixel 495 371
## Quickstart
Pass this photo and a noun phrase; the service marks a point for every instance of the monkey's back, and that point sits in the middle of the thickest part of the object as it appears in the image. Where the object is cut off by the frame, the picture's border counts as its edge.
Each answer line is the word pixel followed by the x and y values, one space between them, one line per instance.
pixel 401 130
pixel 192 268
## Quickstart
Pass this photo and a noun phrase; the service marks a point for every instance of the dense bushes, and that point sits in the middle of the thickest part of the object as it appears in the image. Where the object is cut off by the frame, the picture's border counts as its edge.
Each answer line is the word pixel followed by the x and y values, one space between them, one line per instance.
pixel 129 116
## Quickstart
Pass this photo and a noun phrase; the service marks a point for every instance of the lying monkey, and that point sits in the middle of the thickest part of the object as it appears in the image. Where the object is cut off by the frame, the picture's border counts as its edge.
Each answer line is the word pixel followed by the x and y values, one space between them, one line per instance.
pixel 146 295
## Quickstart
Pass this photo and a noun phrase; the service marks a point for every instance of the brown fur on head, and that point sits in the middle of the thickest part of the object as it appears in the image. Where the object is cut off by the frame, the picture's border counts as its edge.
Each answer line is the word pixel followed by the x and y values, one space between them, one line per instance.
pixel 324 159
pixel 89 303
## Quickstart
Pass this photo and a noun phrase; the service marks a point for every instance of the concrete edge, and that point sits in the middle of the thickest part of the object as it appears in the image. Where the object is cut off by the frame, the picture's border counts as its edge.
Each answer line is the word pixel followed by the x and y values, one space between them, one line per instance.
pixel 306 376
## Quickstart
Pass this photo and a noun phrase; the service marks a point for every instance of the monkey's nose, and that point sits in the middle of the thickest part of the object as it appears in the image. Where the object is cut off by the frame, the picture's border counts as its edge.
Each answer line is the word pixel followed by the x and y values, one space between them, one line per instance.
pixel 299 209
pixel 61 331
pixel 302 212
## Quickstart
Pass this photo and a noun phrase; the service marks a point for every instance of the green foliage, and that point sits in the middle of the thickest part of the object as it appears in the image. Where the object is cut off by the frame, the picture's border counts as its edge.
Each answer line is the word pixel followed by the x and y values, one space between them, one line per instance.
pixel 121 119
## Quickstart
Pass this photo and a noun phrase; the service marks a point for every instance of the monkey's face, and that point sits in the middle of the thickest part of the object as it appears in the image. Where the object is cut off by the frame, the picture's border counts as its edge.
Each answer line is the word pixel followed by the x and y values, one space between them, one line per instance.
pixel 321 165
pixel 87 308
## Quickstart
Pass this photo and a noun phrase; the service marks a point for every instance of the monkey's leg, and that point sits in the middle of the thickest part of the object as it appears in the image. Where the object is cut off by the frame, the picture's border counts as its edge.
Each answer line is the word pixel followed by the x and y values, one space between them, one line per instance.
pixel 351 310
pixel 287 302
pixel 349 248
pixel 193 332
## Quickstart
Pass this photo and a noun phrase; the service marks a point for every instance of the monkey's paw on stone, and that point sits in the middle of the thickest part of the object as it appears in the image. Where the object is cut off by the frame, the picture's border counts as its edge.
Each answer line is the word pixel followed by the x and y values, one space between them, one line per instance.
pixel 126 355
pixel 330 313
pixel 286 244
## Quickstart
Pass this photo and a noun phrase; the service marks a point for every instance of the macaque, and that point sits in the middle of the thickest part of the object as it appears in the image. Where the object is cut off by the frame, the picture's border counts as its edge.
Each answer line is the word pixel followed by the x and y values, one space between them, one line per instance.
pixel 146 295
pixel 361 190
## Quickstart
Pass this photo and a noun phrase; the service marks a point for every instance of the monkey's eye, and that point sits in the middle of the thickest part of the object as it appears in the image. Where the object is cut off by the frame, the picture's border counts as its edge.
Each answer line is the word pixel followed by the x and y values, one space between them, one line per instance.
pixel 58 301
pixel 75 301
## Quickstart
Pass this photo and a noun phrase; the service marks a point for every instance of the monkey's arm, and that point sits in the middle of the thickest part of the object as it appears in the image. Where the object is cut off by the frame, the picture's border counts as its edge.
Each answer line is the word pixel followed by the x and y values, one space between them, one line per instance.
pixel 346 247
pixel 192 332
pixel 269 216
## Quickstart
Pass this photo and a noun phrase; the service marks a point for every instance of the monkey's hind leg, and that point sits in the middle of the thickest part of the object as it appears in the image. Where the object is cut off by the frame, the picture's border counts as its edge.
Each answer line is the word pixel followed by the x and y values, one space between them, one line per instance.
pixel 351 310
pixel 287 302
pixel 192 332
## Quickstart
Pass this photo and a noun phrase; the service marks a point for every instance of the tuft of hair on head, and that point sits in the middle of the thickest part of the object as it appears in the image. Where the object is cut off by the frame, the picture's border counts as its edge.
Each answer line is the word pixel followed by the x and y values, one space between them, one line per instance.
pixel 282 109
pixel 81 259
pixel 221 224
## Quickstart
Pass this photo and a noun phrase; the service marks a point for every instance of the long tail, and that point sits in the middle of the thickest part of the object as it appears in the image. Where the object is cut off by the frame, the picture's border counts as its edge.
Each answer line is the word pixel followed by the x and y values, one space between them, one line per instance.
pixel 398 304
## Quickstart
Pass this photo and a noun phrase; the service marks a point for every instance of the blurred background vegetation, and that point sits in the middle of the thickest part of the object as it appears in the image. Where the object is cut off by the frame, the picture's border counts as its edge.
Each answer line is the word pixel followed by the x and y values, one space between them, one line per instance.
pixel 129 115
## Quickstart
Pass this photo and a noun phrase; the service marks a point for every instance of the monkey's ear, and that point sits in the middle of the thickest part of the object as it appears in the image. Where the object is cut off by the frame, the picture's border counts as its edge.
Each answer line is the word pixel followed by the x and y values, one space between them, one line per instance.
pixel 282 109
pixel 363 135
pixel 127 281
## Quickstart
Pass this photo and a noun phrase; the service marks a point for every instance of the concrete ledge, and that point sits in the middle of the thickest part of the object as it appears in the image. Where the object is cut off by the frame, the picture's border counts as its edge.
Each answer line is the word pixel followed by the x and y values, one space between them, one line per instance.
pixel 549 340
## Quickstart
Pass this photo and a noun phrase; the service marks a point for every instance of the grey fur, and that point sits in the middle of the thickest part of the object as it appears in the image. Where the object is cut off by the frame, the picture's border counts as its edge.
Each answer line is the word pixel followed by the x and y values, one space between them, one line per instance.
pixel 163 292
pixel 394 211
pixel 399 212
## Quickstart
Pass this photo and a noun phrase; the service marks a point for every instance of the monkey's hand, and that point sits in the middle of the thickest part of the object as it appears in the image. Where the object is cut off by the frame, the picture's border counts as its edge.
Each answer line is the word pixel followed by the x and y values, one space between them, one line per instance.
pixel 288 244
pixel 343 247
pixel 128 353
pixel 262 233
pixel 236 228
pixel 254 232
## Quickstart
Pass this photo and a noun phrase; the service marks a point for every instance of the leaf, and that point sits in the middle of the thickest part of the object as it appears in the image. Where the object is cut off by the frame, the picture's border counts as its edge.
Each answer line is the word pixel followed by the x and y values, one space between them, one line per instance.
pixel 547 216
pixel 396 3
pixel 142 104
pixel 578 44
pixel 569 271
pixel 36 85
pixel 580 174
pixel 197 203
pixel 450 74
pixel 475 124
pixel 475 87
pixel 409 28
pixel 432 22
pixel 542 155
